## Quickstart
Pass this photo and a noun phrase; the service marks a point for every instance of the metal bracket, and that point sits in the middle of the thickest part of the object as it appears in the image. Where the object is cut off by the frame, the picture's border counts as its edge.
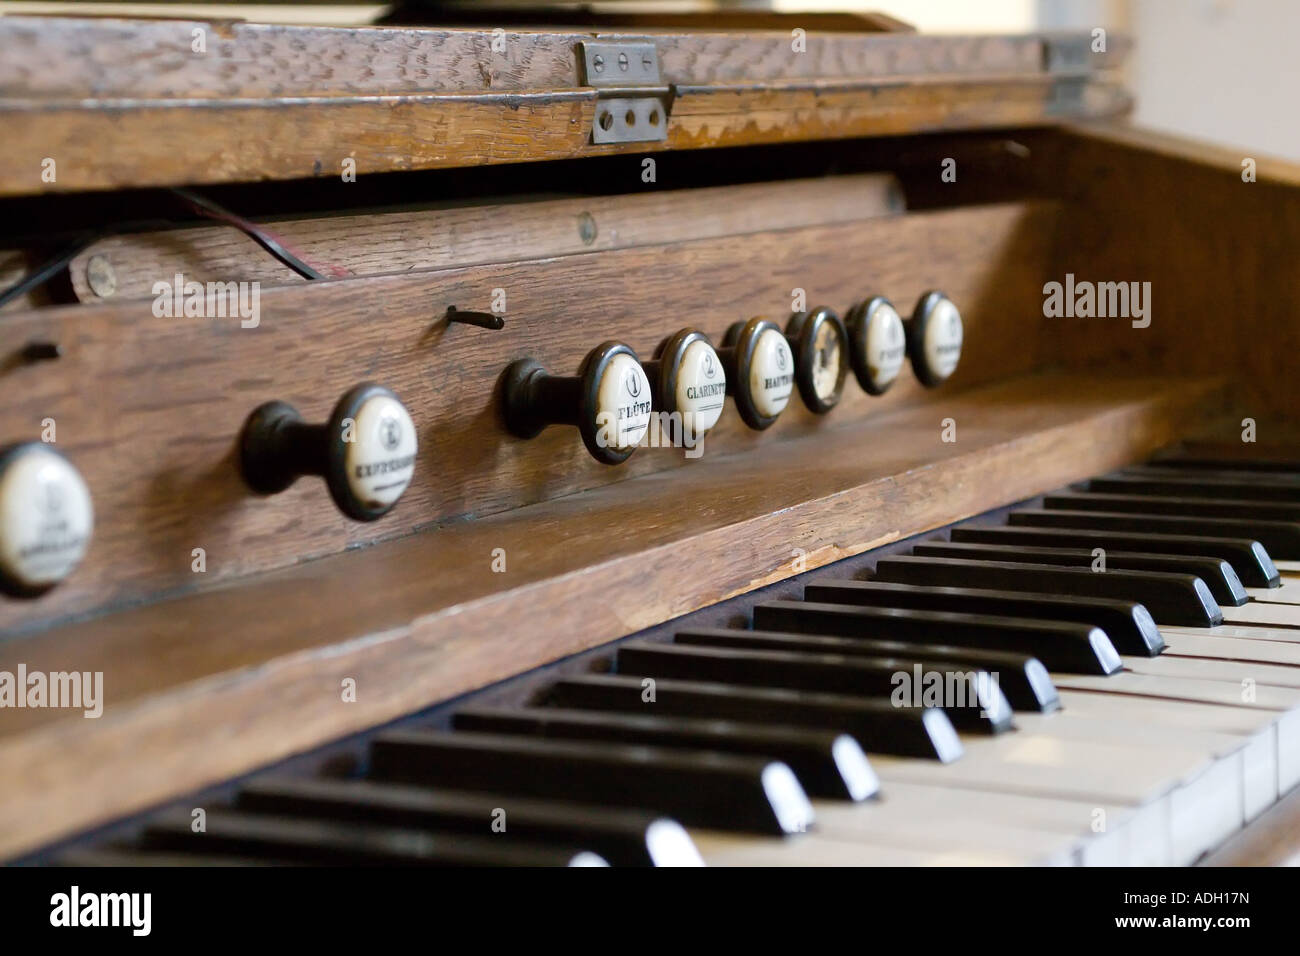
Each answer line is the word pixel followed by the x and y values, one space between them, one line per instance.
pixel 606 64
pixel 1067 96
pixel 631 101
pixel 1067 53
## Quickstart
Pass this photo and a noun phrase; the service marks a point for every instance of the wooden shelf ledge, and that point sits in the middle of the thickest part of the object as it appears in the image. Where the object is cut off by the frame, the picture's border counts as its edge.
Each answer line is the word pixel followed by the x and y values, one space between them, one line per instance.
pixel 210 685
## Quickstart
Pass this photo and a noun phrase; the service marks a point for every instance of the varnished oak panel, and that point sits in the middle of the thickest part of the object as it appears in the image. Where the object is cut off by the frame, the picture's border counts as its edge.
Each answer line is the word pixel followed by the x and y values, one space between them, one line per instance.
pixel 208 686
pixel 102 144
pixel 154 59
pixel 285 102
pixel 447 235
pixel 150 408
pixel 1218 251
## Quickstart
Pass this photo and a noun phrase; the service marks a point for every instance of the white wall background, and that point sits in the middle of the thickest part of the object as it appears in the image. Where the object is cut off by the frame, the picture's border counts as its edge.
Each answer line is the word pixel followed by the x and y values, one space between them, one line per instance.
pixel 1227 71
pixel 1222 70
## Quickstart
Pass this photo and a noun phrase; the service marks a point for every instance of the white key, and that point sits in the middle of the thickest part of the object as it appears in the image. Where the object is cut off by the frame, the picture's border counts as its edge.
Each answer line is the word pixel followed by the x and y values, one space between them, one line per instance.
pixel 1235 632
pixel 1214 806
pixel 1086 771
pixel 1256 729
pixel 1209 810
pixel 1126 732
pixel 1215 668
pixel 1280 702
pixel 731 849
pixel 880 822
pixel 1100 839
pixel 1176 688
pixel 987 814
pixel 1270 615
pixel 1288 593
pixel 1047 766
pixel 947 825
pixel 1173 713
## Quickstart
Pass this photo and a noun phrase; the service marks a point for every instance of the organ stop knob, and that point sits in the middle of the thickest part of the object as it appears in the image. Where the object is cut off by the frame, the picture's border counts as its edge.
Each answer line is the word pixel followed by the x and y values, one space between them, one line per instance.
pixel 365 452
pixel 877 343
pixel 687 379
pixel 934 337
pixel 760 370
pixel 46 518
pixel 609 401
pixel 821 357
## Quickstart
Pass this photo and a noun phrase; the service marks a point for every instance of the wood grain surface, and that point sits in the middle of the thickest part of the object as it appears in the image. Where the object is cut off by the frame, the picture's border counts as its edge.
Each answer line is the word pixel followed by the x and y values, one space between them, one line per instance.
pixel 204 687
pixel 286 102
pixel 451 234
pixel 155 59
pixel 104 144
pixel 150 408
pixel 1218 252
pixel 1146 207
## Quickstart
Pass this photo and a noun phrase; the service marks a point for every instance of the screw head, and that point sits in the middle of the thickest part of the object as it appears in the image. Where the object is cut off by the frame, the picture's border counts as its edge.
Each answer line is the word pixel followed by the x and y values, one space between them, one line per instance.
pixel 598 62
pixel 587 228
pixel 100 276
pixel 622 62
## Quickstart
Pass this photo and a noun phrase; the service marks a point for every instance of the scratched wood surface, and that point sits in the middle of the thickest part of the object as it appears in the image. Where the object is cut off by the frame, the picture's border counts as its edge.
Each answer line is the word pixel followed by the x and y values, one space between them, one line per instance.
pixel 284 102
pixel 609 18
pixel 156 59
pixel 452 234
pixel 150 407
pixel 113 143
pixel 208 686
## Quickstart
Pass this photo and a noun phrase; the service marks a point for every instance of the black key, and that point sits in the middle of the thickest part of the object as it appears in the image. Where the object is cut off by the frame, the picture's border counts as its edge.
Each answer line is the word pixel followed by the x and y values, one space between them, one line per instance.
pixel 623 837
pixel 347 844
pixel 1180 505
pixel 1129 625
pixel 1248 558
pixel 1171 598
pixel 1252 465
pixel 877 725
pixel 1227 470
pixel 978 706
pixel 1023 679
pixel 119 856
pixel 1190 484
pixel 699 788
pixel 1215 572
pixel 1281 538
pixel 827 764
pixel 1061 645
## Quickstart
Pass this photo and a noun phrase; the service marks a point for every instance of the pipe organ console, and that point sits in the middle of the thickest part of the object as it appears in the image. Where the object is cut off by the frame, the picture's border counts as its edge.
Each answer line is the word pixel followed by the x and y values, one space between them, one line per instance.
pixel 970 581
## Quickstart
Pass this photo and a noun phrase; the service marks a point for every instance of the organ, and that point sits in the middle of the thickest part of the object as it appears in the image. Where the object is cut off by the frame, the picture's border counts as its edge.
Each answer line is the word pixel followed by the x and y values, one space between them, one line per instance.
pixel 1072 546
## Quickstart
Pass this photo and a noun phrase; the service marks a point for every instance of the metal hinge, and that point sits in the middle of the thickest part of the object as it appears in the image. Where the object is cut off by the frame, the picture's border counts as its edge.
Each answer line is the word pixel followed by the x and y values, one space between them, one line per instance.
pixel 631 99
pixel 1068 52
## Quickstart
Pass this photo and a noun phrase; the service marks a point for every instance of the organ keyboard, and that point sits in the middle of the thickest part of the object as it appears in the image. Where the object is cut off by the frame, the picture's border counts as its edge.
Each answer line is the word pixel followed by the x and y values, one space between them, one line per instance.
pixel 921 571
pixel 930 705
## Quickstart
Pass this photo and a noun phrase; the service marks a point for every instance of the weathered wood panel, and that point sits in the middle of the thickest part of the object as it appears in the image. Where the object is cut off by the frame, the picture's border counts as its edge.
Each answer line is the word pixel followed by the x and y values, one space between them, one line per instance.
pixel 449 234
pixel 150 407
